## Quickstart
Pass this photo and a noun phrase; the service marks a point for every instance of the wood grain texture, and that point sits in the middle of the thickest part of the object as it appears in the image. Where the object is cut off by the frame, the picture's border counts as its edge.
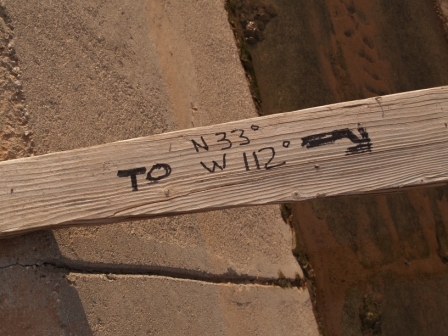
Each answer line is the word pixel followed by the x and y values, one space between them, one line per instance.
pixel 370 145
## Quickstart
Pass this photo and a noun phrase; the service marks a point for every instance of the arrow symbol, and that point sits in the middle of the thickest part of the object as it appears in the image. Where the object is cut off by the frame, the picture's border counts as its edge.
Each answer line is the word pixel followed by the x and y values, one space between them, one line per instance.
pixel 363 143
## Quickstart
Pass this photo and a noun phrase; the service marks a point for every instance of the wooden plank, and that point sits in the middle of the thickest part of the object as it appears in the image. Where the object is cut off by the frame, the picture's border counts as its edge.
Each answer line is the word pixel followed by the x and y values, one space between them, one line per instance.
pixel 370 145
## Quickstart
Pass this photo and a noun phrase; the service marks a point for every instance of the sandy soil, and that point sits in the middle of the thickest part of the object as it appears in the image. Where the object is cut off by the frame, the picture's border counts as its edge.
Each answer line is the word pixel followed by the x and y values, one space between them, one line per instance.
pixel 375 263
pixel 14 133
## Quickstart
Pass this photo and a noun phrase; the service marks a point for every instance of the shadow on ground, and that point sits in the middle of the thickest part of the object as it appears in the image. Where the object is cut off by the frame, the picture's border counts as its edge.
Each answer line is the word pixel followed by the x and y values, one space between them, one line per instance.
pixel 35 297
pixel 376 264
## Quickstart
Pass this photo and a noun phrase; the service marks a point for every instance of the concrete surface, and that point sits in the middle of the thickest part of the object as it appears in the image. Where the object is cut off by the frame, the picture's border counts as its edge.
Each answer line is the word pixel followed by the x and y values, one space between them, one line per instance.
pixel 192 307
pixel 49 301
pixel 99 71
pixel 39 301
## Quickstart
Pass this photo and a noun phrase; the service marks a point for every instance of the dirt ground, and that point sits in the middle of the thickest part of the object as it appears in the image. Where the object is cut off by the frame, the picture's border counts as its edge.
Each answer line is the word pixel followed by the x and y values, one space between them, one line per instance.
pixel 376 264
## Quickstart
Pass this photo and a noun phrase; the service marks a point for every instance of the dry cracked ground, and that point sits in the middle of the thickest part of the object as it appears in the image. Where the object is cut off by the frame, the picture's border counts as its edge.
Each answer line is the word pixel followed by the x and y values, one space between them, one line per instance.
pixel 81 73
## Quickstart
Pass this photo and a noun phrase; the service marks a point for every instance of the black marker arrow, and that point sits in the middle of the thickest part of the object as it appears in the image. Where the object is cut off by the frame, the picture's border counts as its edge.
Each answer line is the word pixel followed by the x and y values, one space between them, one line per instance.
pixel 363 143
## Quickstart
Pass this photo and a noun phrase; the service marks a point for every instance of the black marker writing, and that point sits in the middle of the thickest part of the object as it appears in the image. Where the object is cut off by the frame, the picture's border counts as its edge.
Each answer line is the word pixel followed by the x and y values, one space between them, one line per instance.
pixel 224 138
pixel 197 146
pixel 215 164
pixel 155 169
pixel 242 136
pixel 246 164
pixel 267 166
pixel 132 173
pixel 363 143
pixel 256 160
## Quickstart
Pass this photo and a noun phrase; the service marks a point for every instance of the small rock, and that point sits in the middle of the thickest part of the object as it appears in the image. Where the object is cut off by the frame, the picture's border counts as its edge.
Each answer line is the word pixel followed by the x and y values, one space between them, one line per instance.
pixel 250 40
pixel 110 276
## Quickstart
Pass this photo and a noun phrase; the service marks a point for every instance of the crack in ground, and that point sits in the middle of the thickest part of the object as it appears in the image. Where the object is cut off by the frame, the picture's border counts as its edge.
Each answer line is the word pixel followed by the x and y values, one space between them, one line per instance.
pixel 111 271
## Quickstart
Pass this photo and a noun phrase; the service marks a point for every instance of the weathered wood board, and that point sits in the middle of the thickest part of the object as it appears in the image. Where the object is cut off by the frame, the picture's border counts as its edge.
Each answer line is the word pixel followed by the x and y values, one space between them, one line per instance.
pixel 371 145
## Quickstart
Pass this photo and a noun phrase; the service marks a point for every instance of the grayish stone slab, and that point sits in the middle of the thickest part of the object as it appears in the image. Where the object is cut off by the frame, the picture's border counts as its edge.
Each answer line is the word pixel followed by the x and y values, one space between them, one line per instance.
pixel 166 306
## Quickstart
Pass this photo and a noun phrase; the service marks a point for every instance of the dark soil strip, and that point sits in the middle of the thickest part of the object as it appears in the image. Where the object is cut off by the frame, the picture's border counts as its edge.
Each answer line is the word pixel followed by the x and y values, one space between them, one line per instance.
pixel 374 264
